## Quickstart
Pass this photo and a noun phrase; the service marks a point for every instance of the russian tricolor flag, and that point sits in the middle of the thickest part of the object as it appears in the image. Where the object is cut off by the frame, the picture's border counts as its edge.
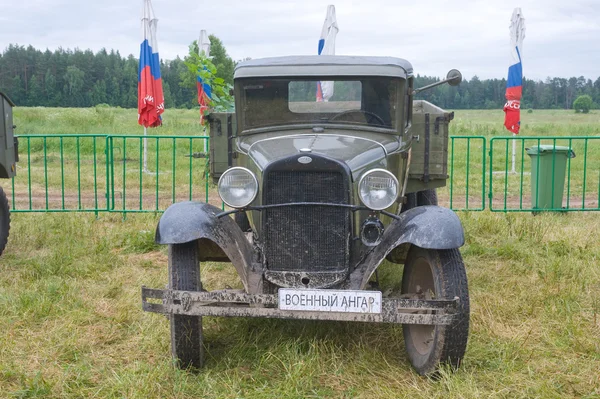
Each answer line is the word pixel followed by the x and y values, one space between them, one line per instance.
pixel 151 101
pixel 327 47
pixel 514 83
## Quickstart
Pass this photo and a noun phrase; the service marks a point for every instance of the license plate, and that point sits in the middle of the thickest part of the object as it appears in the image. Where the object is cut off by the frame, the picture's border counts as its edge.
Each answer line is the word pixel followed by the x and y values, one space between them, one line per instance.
pixel 330 300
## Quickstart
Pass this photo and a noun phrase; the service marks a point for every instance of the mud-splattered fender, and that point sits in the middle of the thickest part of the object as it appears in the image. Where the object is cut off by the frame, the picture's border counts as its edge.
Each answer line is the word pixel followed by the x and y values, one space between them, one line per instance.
pixel 431 227
pixel 219 239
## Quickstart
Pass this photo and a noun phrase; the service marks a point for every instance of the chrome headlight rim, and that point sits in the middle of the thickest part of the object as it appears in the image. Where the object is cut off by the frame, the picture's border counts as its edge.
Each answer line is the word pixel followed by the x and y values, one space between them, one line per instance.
pixel 387 172
pixel 255 183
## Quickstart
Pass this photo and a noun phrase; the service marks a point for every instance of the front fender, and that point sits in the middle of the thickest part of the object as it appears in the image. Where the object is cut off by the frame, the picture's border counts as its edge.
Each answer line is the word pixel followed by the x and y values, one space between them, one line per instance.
pixel 219 239
pixel 430 227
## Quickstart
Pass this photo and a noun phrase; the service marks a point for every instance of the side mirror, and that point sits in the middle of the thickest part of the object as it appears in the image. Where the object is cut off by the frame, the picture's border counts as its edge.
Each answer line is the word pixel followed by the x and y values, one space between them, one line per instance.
pixel 454 77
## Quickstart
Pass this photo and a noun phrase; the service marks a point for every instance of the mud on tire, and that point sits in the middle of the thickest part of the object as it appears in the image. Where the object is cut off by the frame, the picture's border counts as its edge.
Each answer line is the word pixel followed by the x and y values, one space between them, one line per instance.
pixel 436 274
pixel 186 331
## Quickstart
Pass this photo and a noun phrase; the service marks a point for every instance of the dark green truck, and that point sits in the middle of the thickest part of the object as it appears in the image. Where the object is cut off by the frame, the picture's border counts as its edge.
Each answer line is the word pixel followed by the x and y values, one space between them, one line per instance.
pixel 8 163
pixel 323 192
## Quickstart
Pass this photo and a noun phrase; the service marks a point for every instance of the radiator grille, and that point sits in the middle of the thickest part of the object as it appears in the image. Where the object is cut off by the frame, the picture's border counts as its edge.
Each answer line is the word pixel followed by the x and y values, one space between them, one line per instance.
pixel 306 238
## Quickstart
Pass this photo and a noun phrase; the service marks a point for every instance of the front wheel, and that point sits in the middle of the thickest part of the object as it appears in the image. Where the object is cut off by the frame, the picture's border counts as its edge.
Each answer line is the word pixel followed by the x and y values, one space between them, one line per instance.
pixel 431 274
pixel 186 331
pixel 241 219
pixel 4 220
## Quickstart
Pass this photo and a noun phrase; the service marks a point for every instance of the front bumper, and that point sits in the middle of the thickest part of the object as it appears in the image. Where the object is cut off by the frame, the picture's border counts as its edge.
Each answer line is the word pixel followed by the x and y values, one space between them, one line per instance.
pixel 236 303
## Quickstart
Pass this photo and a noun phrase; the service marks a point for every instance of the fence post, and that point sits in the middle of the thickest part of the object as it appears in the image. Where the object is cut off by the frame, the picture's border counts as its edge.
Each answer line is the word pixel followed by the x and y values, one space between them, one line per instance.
pixel 491 156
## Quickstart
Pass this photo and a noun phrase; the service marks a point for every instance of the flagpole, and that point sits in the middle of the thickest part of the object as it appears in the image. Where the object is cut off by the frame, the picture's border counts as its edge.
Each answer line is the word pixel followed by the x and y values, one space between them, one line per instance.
pixel 514 147
pixel 204 47
pixel 200 44
pixel 205 141
pixel 145 150
pixel 145 13
pixel 150 93
pixel 514 83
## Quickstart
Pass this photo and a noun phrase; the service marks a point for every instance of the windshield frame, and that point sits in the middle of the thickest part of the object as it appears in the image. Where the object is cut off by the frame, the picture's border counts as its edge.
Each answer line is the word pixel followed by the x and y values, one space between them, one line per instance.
pixel 396 118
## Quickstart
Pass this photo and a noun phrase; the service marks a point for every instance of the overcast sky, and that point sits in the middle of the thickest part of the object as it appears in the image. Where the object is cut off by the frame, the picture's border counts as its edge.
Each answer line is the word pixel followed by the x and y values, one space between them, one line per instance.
pixel 563 36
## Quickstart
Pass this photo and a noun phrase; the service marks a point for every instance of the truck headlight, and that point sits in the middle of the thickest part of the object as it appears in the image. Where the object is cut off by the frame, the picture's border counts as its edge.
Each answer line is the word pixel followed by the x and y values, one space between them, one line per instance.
pixel 378 189
pixel 238 187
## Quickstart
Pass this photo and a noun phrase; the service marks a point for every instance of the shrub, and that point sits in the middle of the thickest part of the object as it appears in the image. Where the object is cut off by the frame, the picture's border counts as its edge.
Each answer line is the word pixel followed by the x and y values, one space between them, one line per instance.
pixel 583 104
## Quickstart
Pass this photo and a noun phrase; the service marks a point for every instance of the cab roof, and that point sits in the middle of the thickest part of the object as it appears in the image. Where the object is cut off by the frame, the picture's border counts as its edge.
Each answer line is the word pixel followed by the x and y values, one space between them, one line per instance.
pixel 324 65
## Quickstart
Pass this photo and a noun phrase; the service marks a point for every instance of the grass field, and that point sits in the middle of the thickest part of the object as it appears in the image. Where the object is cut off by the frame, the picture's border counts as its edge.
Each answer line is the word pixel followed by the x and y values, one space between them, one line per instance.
pixel 70 306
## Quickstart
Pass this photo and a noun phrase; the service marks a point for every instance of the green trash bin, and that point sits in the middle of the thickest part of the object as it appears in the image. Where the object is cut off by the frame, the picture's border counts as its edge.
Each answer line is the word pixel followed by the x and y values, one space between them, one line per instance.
pixel 548 167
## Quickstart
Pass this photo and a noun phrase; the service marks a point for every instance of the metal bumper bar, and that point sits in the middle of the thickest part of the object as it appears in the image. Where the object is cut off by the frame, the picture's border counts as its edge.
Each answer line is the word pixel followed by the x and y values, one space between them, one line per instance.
pixel 234 303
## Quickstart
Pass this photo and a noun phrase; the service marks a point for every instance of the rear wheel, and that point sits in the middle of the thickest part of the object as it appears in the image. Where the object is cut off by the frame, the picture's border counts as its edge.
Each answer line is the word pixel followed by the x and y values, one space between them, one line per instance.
pixel 431 274
pixel 420 198
pixel 427 197
pixel 4 220
pixel 186 331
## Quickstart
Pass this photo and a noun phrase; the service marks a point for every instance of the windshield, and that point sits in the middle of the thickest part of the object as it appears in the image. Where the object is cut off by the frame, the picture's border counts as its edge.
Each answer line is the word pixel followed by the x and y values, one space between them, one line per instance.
pixel 366 101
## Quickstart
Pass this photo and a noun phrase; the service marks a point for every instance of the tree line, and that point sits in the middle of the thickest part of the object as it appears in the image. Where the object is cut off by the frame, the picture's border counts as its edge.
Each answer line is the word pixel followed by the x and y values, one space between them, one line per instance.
pixel 78 78
pixel 552 93
pixel 82 78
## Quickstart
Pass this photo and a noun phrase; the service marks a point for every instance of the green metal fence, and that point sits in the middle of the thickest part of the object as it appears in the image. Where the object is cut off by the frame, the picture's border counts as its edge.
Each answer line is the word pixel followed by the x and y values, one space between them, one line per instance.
pixel 177 170
pixel 465 190
pixel 100 173
pixel 108 173
pixel 133 174
pixel 518 190
pixel 61 173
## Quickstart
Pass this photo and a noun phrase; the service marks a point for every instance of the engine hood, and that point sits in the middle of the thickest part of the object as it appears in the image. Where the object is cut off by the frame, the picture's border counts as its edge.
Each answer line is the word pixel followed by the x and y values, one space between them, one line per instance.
pixel 356 151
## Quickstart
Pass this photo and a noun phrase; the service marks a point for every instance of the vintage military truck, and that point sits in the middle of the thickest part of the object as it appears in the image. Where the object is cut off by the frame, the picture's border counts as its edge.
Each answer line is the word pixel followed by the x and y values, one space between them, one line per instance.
pixel 8 161
pixel 323 192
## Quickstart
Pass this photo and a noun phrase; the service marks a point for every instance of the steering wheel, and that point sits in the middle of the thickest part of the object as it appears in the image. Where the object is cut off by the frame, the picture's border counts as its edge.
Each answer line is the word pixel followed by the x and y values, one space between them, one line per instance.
pixel 370 116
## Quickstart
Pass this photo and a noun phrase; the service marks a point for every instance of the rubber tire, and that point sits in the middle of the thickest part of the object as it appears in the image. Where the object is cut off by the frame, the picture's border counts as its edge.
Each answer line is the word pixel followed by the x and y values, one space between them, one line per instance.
pixel 241 219
pixel 4 220
pixel 420 198
pixel 427 197
pixel 186 331
pixel 449 280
